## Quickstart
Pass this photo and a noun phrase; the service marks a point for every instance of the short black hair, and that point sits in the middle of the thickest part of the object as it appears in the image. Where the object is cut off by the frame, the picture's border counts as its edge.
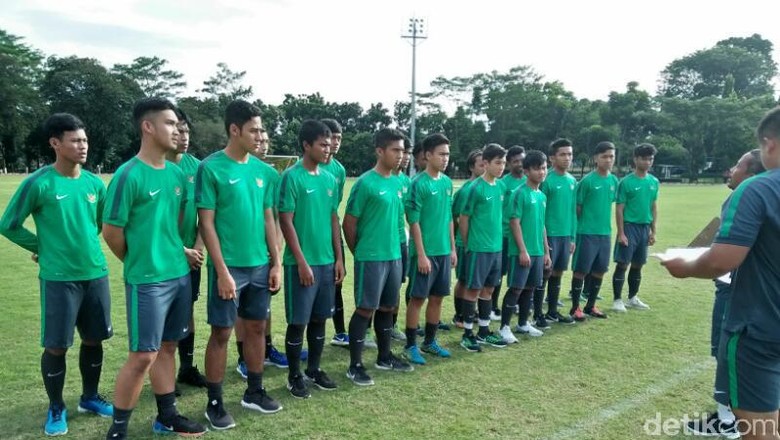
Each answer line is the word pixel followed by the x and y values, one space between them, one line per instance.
pixel 144 106
pixel 311 130
pixel 534 159
pixel 239 112
pixel 769 127
pixel 407 142
pixel 384 136
pixel 434 140
pixel 558 144
pixel 493 151
pixel 645 150
pixel 603 147
pixel 513 151
pixel 471 159
pixel 417 149
pixel 755 166
pixel 333 125
pixel 57 124
pixel 183 118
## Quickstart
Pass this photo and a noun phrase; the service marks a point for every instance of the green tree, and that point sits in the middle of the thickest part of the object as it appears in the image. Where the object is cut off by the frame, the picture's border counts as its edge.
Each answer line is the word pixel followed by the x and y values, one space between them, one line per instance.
pixel 152 77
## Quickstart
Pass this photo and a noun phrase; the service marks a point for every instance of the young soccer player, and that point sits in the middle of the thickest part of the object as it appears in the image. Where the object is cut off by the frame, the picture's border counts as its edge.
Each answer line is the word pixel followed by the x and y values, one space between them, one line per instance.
pixel 235 195
pixel 406 184
pixel 476 167
pixel 635 216
pixel 193 247
pixel 595 196
pixel 748 372
pixel 560 223
pixel 66 203
pixel 374 210
pixel 528 252
pixel 312 258
pixel 141 222
pixel 479 222
pixel 512 180
pixel 433 250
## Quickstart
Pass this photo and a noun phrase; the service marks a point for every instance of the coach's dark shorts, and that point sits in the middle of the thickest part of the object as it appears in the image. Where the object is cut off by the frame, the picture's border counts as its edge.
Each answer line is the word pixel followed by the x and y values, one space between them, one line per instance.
pixel 306 303
pixel 560 251
pixel 436 283
pixel 377 284
pixel 520 277
pixel 638 241
pixel 722 292
pixel 748 374
pixel 252 301
pixel 404 261
pixel 66 305
pixel 195 275
pixel 591 254
pixel 158 312
pixel 483 269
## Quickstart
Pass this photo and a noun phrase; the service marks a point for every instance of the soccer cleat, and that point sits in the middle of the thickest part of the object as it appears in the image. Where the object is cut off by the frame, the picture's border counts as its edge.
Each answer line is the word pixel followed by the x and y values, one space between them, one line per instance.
pixel 178 425
pixel 506 334
pixel 369 343
pixel 259 400
pixel 412 354
pixel 529 330
pixel 559 318
pixel 636 303
pixel 116 435
pixel 340 340
pixel 712 426
pixel 393 363
pixel 618 306
pixel 457 322
pixel 470 344
pixel 191 376
pixel 541 323
pixel 491 339
pixel 596 313
pixel 96 405
pixel 435 349
pixel 275 357
pixel 577 315
pixel 398 335
pixel 56 421
pixel 443 326
pixel 320 379
pixel 495 315
pixel 357 374
pixel 218 417
pixel 297 387
pixel 242 370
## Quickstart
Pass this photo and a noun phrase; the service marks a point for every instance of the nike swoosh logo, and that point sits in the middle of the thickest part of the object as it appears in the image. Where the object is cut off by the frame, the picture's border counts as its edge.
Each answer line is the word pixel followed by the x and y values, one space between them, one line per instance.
pixel 720 392
pixel 55 374
pixel 433 193
pixel 59 197
pixel 309 191
pixel 96 365
pixel 381 193
pixel 636 189
pixel 233 181
pixel 558 187
pixel 185 329
pixel 596 187
pixel 488 198
pixel 154 193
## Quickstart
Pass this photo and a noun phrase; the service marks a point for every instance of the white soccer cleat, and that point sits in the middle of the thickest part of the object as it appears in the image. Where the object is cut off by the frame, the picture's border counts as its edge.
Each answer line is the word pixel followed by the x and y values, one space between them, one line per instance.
pixel 529 330
pixel 506 334
pixel 636 303
pixel 618 306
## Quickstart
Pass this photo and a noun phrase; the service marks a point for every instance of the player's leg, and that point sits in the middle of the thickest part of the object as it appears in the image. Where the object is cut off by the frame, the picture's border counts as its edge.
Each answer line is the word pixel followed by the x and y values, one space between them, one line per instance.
pixel 581 263
pixel 598 269
pixel 638 260
pixel 366 285
pixel 322 310
pixel 440 288
pixel 495 314
pixel 560 251
pixel 535 277
pixel 417 291
pixel 298 303
pixel 389 289
pixel 492 276
pixel 238 329
pixel 188 372
pixel 516 279
pixel 341 338
pixel 94 324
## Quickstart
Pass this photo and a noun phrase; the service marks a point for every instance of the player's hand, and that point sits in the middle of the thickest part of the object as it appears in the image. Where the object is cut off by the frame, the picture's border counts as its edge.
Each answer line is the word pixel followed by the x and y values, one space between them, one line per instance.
pixel 34 257
pixel 340 272
pixel 194 258
pixel 226 286
pixel 454 259
pixel 547 262
pixel 623 239
pixel 677 267
pixel 572 248
pixel 651 239
pixel 423 265
pixel 525 259
pixel 305 275
pixel 275 279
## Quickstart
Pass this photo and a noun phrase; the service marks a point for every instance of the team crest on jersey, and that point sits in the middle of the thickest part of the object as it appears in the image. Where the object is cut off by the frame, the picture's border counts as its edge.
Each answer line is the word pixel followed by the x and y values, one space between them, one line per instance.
pixel 91 198
pixel 571 187
pixel 330 193
pixel 400 195
pixel 177 190
pixel 611 187
pixel 259 182
pixel 191 179
pixel 405 190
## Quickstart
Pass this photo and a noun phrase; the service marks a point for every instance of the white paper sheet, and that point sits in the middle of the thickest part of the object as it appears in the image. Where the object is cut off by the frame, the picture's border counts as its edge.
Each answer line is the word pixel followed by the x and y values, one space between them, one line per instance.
pixel 688 254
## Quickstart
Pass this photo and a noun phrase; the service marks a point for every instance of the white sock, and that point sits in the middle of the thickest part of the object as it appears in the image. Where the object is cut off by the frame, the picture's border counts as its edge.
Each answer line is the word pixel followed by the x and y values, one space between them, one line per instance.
pixel 725 415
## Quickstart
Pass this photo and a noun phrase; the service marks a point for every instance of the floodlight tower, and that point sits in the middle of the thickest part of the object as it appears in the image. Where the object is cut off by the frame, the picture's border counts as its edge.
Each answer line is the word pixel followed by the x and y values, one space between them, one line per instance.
pixel 416 31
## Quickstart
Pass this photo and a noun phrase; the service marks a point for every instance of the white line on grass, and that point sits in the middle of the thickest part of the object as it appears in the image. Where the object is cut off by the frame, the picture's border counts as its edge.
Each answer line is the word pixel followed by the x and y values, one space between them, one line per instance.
pixel 630 403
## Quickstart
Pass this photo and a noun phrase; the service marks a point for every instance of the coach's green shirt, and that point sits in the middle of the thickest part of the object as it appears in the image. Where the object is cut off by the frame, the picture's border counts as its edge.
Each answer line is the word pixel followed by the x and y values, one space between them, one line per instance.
pixel 638 194
pixel 377 202
pixel 484 207
pixel 239 194
pixel 529 206
pixel 337 170
pixel 561 192
pixel 406 184
pixel 430 204
pixel 67 215
pixel 511 183
pixel 596 194
pixel 189 223
pixel 458 203
pixel 147 203
pixel 312 198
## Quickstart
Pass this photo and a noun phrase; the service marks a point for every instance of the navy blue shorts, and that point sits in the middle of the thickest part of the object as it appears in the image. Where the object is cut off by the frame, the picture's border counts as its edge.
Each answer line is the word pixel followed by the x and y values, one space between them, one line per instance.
pixel 252 301
pixel 591 254
pixel 460 269
pixel 722 292
pixel 436 283
pixel 377 284
pixel 748 373
pixel 638 241
pixel 158 312
pixel 69 305
pixel 560 252
pixel 483 269
pixel 504 256
pixel 306 303
pixel 520 277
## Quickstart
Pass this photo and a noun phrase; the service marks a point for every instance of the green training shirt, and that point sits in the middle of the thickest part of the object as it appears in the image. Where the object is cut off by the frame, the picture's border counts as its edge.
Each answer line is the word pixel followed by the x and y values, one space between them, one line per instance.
pixel 337 170
pixel 484 207
pixel 147 202
pixel 637 194
pixel 430 205
pixel 529 206
pixel 189 223
pixel 511 183
pixel 377 202
pixel 561 192
pixel 406 184
pixel 596 194
pixel 458 203
pixel 313 199
pixel 67 215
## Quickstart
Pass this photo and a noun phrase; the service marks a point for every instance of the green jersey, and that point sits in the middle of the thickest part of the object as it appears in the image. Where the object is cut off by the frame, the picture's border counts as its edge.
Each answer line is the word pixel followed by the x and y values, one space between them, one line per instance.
pixel 312 198
pixel 595 194
pixel 458 203
pixel 147 203
pixel 337 170
pixel 189 222
pixel 529 206
pixel 239 194
pixel 638 194
pixel 561 192
pixel 511 183
pixel 406 183
pixel 67 215
pixel 484 207
pixel 429 205
pixel 377 202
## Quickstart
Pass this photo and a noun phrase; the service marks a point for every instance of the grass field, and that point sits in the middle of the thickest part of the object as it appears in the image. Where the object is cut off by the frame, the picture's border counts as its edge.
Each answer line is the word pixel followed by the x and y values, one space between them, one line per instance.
pixel 596 380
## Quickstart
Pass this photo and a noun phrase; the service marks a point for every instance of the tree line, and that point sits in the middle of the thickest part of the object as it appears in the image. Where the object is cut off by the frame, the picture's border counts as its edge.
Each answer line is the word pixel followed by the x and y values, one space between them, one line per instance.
pixel 701 117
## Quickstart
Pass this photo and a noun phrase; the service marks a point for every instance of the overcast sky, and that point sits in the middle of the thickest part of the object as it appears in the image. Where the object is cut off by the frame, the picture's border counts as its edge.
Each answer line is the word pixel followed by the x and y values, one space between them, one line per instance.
pixel 351 50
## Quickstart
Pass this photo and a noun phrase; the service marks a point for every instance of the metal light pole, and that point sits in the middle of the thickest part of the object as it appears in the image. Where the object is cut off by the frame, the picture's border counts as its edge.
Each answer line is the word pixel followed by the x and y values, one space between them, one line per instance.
pixel 415 31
